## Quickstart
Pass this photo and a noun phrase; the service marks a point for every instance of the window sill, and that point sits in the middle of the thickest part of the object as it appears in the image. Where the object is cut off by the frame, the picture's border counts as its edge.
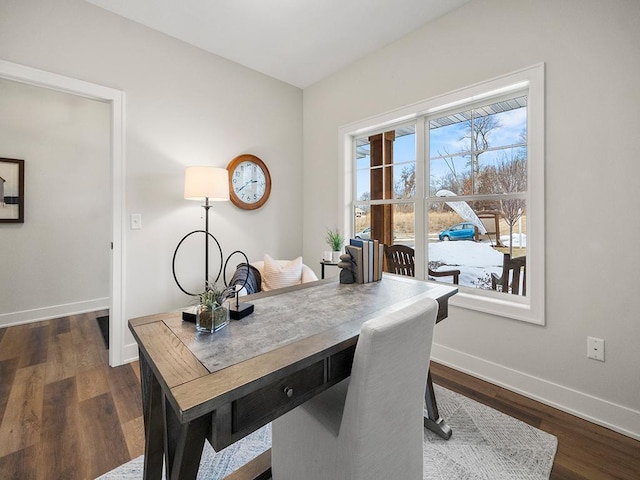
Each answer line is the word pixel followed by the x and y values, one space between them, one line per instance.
pixel 518 308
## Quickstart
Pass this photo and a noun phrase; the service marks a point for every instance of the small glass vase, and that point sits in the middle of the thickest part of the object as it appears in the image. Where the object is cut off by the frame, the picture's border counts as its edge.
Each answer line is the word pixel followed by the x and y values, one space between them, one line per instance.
pixel 211 319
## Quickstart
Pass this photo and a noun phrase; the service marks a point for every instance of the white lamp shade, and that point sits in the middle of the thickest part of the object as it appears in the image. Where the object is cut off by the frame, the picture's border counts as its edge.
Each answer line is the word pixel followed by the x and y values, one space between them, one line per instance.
pixel 206 182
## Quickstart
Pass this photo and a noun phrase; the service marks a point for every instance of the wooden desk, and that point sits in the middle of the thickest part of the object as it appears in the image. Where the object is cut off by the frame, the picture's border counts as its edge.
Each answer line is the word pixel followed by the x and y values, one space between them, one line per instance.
pixel 298 342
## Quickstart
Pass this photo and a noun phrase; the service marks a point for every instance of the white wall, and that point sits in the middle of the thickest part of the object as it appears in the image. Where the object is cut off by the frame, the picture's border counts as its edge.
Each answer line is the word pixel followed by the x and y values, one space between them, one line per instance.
pixel 60 255
pixel 591 50
pixel 183 107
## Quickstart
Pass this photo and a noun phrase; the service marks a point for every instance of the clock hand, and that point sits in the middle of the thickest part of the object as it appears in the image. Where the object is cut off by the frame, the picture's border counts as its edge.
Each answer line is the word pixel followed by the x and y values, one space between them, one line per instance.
pixel 247 183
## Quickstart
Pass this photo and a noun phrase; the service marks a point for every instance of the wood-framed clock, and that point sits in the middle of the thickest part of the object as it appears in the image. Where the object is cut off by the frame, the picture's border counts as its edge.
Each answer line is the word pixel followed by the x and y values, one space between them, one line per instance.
pixel 249 182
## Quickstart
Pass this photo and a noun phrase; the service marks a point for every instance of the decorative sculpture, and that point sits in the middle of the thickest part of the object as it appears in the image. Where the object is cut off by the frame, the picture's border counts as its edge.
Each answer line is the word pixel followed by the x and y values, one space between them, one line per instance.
pixel 347 273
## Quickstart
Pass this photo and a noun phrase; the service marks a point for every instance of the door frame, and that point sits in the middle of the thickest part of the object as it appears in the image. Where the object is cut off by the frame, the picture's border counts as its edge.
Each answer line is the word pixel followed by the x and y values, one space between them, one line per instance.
pixel 116 100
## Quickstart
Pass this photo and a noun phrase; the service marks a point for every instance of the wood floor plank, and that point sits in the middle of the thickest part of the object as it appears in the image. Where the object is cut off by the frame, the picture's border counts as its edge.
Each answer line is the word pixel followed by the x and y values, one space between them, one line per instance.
pixel 592 455
pixel 462 383
pixel 93 382
pixel 90 354
pixel 136 368
pixel 8 370
pixel 62 452
pixel 20 465
pixel 61 358
pixel 133 431
pixel 35 351
pixel 13 342
pixel 60 325
pixel 80 330
pixel 100 428
pixel 22 423
pixel 85 328
pixel 127 394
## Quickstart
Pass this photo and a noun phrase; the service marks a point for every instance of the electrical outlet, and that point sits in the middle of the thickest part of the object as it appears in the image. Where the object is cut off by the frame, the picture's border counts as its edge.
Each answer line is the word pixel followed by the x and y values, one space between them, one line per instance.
pixel 595 348
pixel 136 221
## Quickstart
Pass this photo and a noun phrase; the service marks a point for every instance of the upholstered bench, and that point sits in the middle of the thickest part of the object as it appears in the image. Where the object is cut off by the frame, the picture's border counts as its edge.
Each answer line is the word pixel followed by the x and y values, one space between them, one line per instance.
pixel 270 274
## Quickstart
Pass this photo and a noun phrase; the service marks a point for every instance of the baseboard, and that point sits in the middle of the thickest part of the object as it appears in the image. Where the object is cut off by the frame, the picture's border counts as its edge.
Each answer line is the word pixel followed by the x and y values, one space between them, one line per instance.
pixel 54 311
pixel 616 417
pixel 130 353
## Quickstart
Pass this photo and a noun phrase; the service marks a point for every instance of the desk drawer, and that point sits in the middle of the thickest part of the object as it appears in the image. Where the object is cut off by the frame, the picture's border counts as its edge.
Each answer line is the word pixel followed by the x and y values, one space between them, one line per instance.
pixel 340 364
pixel 270 402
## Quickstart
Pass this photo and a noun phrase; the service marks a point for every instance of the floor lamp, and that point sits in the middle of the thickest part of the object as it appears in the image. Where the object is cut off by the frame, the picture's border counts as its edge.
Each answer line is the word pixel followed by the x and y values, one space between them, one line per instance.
pixel 208 184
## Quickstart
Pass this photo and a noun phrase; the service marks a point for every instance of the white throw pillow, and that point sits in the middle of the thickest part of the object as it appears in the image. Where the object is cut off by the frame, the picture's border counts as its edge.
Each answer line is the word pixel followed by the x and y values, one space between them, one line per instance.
pixel 281 274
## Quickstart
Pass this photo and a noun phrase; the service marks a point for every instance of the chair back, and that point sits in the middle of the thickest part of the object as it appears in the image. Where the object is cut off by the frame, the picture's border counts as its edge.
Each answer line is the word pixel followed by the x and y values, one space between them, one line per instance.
pixel 383 410
pixel 400 260
pixel 512 270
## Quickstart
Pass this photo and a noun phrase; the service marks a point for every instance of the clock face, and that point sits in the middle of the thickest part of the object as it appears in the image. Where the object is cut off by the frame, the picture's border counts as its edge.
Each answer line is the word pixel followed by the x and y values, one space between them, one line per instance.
pixel 249 182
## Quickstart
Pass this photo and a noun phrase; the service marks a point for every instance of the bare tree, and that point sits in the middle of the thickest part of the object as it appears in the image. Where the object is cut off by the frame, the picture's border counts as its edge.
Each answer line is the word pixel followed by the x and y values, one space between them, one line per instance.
pixel 478 131
pixel 453 180
pixel 512 210
pixel 406 186
pixel 511 177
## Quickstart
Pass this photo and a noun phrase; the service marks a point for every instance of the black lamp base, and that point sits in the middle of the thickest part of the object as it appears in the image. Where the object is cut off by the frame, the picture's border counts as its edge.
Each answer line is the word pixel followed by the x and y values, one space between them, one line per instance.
pixel 240 310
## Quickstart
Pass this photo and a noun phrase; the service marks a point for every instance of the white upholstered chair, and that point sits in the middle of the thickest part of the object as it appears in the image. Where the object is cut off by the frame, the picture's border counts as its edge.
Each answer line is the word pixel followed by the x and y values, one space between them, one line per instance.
pixel 369 426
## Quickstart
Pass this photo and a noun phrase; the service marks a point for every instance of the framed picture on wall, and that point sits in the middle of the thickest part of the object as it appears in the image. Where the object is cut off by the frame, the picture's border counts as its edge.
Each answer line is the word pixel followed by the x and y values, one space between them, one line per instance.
pixel 11 190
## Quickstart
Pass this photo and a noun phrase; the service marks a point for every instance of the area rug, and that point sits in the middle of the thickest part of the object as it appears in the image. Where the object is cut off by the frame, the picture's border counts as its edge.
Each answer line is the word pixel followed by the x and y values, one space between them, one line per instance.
pixel 486 445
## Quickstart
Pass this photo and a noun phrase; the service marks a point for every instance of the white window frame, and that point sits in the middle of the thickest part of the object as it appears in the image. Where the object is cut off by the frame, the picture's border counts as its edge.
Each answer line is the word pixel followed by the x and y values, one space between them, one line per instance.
pixel 530 308
pixel 386 201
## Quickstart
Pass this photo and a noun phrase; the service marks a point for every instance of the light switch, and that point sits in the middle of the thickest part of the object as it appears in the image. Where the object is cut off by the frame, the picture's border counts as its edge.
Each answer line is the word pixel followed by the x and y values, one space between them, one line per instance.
pixel 136 221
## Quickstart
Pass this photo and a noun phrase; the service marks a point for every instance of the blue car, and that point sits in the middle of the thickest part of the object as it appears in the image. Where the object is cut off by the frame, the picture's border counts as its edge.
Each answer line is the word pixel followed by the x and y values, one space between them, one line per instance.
pixel 460 231
pixel 364 234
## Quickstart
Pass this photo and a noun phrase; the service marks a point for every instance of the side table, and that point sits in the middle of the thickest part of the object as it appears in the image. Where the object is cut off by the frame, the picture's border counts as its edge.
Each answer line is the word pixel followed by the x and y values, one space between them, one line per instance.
pixel 322 265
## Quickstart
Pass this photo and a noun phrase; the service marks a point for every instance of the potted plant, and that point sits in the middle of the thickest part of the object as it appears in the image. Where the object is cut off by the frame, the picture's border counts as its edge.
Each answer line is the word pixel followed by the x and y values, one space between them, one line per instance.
pixel 211 314
pixel 335 240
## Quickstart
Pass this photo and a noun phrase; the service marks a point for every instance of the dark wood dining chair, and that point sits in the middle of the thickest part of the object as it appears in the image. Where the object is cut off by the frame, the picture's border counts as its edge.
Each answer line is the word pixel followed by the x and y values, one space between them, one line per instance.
pixel 401 261
pixel 512 269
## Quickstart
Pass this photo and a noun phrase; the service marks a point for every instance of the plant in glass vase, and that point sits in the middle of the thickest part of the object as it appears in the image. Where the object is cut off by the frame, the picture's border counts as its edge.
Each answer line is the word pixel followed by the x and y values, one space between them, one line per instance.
pixel 212 314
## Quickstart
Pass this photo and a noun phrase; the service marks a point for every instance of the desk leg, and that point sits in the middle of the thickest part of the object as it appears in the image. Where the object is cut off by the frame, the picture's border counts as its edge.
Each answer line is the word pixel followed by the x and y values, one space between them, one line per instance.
pixel 434 421
pixel 322 270
pixel 153 424
pixel 183 444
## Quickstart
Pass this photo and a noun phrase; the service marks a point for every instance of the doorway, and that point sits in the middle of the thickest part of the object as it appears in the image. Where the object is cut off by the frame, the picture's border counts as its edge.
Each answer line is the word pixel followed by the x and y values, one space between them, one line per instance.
pixel 115 99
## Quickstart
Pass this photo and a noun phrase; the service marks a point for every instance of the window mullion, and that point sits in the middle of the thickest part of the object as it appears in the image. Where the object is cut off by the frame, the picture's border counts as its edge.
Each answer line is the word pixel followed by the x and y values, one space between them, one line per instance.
pixel 419 205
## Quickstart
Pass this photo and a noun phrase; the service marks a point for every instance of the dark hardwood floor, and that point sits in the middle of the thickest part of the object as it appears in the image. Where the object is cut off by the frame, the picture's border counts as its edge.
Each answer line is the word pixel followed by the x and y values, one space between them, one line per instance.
pixel 65 414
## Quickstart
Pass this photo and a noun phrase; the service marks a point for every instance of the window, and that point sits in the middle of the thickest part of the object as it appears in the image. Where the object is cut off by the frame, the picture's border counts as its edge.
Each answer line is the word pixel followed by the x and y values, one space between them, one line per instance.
pixel 384 207
pixel 460 181
pixel 478 170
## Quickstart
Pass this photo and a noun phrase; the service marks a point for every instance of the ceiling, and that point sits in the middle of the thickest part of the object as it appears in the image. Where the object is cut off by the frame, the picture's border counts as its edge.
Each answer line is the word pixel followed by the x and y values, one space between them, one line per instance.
pixel 296 41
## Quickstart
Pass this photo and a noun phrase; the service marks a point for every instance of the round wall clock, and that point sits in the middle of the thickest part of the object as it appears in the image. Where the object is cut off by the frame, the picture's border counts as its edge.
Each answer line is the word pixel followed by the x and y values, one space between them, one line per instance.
pixel 249 182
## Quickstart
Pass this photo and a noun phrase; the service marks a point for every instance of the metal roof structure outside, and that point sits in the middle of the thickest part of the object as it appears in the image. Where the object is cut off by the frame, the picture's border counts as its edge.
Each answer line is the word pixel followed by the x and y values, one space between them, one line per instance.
pixel 362 144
